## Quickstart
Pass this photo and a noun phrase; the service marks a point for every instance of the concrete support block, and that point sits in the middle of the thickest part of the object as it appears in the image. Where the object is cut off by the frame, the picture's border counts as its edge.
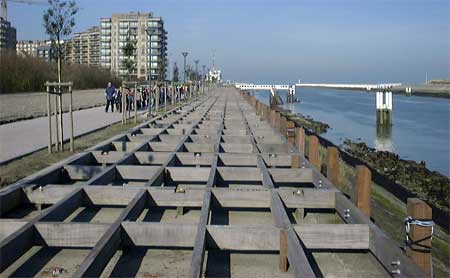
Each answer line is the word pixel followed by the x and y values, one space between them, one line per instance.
pixel 420 252
pixel 313 151
pixel 300 140
pixel 333 165
pixel 362 189
pixel 180 211
pixel 283 251
pixel 299 214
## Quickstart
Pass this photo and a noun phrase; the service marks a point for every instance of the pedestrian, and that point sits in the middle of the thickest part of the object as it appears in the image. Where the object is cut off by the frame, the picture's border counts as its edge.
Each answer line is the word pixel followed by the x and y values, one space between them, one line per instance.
pixel 139 99
pixel 109 94
pixel 118 100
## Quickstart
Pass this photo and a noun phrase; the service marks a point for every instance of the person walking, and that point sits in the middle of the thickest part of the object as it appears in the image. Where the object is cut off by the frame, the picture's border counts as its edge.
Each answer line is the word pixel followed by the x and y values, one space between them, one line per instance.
pixel 109 94
pixel 118 100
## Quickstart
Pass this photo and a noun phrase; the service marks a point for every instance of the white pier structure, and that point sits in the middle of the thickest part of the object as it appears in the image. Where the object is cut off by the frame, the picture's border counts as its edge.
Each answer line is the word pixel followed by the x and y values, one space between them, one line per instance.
pixel 367 87
pixel 383 95
pixel 272 88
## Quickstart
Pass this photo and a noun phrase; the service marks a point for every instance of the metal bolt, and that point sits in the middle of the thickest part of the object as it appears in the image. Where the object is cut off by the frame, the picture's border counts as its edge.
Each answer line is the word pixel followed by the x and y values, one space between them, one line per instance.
pixel 347 213
pixel 299 192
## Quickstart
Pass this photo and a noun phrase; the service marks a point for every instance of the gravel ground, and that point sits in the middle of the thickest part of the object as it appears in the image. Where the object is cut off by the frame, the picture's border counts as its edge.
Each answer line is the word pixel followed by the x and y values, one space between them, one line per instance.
pixel 20 106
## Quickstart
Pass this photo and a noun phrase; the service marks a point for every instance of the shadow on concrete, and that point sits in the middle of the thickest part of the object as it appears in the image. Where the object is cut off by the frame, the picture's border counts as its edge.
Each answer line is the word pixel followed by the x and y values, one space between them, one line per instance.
pixel 34 265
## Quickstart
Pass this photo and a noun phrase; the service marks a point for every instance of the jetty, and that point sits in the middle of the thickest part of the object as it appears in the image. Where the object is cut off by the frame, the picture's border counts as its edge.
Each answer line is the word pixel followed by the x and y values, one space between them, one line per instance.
pixel 218 187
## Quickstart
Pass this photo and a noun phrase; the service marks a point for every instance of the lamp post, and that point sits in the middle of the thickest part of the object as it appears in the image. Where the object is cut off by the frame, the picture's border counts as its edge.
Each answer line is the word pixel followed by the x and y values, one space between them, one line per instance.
pixel 184 75
pixel 203 78
pixel 150 32
pixel 196 73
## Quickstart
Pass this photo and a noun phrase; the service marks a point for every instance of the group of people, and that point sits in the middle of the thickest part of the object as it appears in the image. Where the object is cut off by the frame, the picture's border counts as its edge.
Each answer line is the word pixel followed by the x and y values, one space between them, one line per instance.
pixel 114 96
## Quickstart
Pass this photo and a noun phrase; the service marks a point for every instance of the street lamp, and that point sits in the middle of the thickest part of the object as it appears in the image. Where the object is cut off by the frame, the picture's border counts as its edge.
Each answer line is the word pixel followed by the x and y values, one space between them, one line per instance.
pixel 196 72
pixel 196 69
pixel 184 55
pixel 204 72
pixel 150 32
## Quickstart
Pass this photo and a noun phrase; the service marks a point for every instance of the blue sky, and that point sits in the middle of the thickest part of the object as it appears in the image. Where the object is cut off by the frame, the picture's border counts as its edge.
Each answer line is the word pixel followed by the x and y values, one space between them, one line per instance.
pixel 287 40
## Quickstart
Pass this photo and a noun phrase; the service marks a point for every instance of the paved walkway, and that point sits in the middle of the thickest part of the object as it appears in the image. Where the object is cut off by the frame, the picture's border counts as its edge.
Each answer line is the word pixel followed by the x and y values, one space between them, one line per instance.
pixel 20 138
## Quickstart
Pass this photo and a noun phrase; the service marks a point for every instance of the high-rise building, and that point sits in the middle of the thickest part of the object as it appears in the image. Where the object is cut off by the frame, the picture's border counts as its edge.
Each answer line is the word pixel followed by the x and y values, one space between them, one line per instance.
pixel 45 52
pixel 28 48
pixel 7 35
pixel 84 48
pixel 150 56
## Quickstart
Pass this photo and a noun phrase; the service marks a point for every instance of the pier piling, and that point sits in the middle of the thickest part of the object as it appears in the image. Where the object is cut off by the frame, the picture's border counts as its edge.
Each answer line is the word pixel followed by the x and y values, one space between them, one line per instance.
pixel 362 189
pixel 419 248
pixel 333 165
pixel 313 151
pixel 384 108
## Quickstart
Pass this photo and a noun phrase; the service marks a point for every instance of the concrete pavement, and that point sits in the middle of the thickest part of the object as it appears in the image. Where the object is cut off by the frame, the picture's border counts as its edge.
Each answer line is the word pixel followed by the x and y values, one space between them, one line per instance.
pixel 20 138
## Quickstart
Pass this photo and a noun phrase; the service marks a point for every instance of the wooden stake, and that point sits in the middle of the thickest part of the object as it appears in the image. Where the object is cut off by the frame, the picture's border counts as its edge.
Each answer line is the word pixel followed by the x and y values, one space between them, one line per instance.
pixel 300 140
pixel 56 121
pixel 420 252
pixel 313 151
pixel 61 127
pixel 49 115
pixel 290 132
pixel 135 104
pixel 72 145
pixel 295 161
pixel 333 165
pixel 362 189
pixel 283 126
pixel 283 251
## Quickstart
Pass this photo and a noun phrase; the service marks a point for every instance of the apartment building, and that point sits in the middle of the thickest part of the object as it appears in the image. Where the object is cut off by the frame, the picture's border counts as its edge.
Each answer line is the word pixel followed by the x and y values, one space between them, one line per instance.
pixel 84 48
pixel 150 38
pixel 8 35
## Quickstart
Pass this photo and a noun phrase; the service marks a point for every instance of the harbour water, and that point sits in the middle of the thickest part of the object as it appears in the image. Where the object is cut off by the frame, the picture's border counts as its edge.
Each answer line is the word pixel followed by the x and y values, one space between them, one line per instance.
pixel 420 129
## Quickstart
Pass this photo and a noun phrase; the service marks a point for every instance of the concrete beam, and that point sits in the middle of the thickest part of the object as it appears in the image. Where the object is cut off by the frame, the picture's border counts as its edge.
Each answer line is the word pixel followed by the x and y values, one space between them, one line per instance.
pixel 160 234
pixel 104 249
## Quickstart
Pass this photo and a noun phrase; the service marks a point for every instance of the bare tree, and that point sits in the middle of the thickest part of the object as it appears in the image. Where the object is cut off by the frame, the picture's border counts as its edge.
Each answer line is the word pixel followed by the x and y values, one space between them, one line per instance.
pixel 59 20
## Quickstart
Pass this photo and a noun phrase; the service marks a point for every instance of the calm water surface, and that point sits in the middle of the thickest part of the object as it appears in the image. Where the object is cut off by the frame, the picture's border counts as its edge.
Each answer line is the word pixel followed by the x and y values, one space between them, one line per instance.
pixel 420 128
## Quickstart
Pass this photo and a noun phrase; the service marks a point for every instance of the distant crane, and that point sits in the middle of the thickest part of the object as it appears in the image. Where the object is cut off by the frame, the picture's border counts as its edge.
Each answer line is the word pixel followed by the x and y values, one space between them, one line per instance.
pixel 30 2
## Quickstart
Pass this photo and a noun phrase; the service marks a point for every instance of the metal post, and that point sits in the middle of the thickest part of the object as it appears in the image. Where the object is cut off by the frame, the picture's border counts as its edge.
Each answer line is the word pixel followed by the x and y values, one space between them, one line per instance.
pixel 184 75
pixel 49 115
pixel 149 33
pixel 72 145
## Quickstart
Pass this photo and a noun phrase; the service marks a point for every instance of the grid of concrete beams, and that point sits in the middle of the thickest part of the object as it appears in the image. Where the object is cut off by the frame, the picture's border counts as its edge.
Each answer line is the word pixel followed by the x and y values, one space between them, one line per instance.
pixel 204 190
